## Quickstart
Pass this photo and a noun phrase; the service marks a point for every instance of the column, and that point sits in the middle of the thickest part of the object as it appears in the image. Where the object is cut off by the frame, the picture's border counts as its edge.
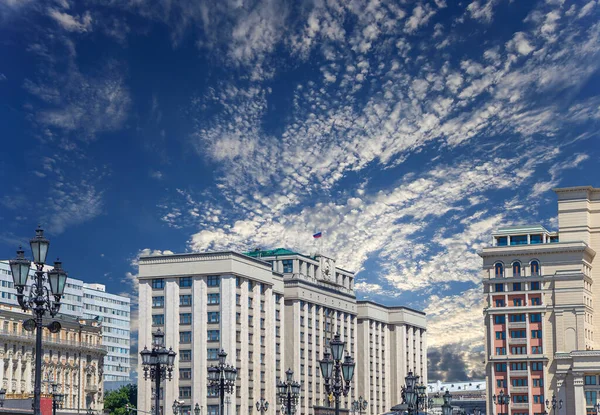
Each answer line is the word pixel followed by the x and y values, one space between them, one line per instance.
pixel 579 394
pixel 171 330
pixel 19 375
pixel 144 339
pixel 270 352
pixel 9 388
pixel 561 394
pixel 28 388
pixel 199 337
pixel 1 366
pixel 243 376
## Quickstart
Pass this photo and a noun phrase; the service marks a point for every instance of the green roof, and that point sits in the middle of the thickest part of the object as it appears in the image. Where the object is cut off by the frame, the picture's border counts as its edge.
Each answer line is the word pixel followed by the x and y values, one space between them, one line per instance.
pixel 258 253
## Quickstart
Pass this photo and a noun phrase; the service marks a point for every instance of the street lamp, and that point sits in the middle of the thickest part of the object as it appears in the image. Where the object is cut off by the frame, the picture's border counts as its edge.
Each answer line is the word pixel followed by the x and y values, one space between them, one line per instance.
pixel 414 395
pixel 177 407
pixel 476 411
pixel 57 398
pixel 197 409
pixel 221 378
pixel 288 392
pixel 447 406
pixel 554 403
pixel 421 397
pixel 158 364
pixel 262 406
pixel 359 405
pixel 2 397
pixel 337 374
pixel 38 299
pixel 596 408
pixel 502 399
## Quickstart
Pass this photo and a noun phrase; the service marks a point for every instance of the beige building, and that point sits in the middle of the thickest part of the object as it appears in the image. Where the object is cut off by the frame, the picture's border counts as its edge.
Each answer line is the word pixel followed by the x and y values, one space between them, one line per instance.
pixel 392 341
pixel 73 358
pixel 269 310
pixel 539 316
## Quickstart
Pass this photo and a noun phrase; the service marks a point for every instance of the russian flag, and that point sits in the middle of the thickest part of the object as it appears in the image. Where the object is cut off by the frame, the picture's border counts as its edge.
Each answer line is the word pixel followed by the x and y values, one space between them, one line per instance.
pixel 317 235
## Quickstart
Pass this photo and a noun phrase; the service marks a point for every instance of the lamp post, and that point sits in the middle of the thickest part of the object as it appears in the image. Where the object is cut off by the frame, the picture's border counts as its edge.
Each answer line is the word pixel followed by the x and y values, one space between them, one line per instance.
pixel 359 405
pixel 38 299
pixel 158 364
pixel 337 374
pixel 2 397
pixel 596 408
pixel 197 409
pixel 288 392
pixel 409 392
pixel 177 407
pixel 421 396
pixel 221 378
pixel 447 406
pixel 262 406
pixel 502 399
pixel 57 398
pixel 554 403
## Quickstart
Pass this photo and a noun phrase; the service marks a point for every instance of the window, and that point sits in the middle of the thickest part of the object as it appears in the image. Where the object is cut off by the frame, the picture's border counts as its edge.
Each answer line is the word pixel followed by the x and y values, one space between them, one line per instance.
pixel 500 367
pixel 514 318
pixel 185 318
pixel 518 334
pixel 158 302
pixel 518 240
pixel 516 269
pixel 213 316
pixel 536 350
pixel 158 319
pixel 537 366
pixel 518 350
pixel 535 268
pixel 538 382
pixel 499 319
pixel 185 392
pixel 212 354
pixel 185 373
pixel 535 300
pixel 213 335
pixel 501 241
pixel 499 288
pixel 517 302
pixel 535 239
pixel 185 300
pixel 518 366
pixel 520 398
pixel 590 380
pixel 535 285
pixel 185 355
pixel 249 302
pixel 185 282
pixel 535 317
pixel 212 410
pixel 185 337
pixel 238 282
pixel 287 265
pixel 213 280
pixel 500 351
pixel 501 383
pixel 516 286
pixel 213 298
pixel 519 382
pixel 158 284
pixel 590 397
pixel 500 335
pixel 499 303
pixel 536 334
pixel 499 269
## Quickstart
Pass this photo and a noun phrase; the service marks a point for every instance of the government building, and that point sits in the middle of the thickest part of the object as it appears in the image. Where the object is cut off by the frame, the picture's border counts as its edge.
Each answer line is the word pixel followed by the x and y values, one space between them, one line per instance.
pixel 270 311
pixel 540 292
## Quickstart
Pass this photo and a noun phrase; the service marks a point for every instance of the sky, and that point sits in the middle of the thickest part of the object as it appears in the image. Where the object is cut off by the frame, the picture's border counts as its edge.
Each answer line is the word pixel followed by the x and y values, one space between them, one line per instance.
pixel 404 131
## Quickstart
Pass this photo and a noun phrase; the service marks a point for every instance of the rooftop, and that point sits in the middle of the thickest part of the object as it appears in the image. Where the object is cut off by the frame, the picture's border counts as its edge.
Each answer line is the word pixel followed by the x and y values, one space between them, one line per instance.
pixel 521 229
pixel 259 253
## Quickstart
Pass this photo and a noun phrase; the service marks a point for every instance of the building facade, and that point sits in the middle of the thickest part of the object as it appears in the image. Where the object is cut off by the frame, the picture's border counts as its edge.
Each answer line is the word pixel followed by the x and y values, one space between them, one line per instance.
pixel 392 341
pixel 90 301
pixel 540 291
pixel 73 358
pixel 205 301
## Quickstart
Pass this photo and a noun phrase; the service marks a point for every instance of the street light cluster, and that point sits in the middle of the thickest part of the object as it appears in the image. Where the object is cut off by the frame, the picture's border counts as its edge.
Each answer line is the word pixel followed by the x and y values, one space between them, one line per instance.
pixel 158 364
pixel 337 373
pixel 415 395
pixel 221 379
pixel 288 392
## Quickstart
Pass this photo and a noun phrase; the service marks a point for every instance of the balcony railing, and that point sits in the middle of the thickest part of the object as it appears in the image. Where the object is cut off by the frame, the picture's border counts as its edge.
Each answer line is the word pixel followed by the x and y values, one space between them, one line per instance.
pixel 519 389
pixel 520 405
pixel 518 373
pixel 517 324
pixel 517 341
pixel 30 338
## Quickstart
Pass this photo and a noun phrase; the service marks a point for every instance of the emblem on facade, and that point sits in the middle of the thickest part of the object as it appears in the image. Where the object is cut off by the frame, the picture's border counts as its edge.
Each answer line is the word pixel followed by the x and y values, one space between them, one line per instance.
pixel 327 269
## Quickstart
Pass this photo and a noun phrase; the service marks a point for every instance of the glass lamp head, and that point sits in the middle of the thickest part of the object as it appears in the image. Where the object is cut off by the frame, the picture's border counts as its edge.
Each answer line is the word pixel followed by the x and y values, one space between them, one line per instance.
pixel 171 357
pixel 281 388
pixel 337 347
pixel 222 356
pixel 197 409
pixel 39 246
pixel 296 388
pixel 145 356
pixel 58 279
pixel 289 374
pixel 411 380
pixel 348 368
pixel 19 268
pixel 213 373
pixel 158 338
pixel 447 398
pixel 326 366
pixel 163 356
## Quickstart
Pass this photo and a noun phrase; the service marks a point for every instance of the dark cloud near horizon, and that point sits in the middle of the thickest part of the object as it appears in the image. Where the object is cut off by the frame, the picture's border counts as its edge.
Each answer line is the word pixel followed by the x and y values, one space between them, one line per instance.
pixel 451 363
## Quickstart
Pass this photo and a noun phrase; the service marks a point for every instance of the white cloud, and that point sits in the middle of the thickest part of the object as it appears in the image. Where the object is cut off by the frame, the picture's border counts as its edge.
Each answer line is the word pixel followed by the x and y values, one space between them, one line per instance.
pixel 420 16
pixel 72 23
pixel 587 8
pixel 483 12
pixel 520 43
pixel 156 174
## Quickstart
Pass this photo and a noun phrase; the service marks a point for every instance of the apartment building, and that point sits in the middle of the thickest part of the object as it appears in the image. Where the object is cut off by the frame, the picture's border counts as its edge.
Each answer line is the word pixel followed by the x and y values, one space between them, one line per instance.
pixel 91 301
pixel 540 291
pixel 392 341
pixel 73 358
pixel 204 303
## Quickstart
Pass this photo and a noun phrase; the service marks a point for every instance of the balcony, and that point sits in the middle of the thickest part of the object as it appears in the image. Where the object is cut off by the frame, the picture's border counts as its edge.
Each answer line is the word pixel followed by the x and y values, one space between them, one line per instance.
pixel 517 324
pixel 71 344
pixel 89 388
pixel 519 389
pixel 519 405
pixel 518 373
pixel 517 341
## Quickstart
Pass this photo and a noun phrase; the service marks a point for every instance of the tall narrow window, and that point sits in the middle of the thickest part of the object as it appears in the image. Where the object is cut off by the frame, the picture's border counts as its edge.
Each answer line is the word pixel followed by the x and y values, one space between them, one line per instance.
pixel 535 268
pixel 516 269
pixel 499 270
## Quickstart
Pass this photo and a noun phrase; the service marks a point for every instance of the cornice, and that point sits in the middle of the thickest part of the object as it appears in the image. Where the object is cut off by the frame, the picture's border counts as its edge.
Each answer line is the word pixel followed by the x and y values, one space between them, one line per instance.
pixel 553 248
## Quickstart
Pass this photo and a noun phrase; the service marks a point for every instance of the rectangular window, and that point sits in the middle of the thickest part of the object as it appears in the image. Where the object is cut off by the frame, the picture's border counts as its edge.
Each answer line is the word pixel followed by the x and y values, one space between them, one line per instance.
pixel 536 350
pixel 515 318
pixel 536 334
pixel 158 284
pixel 158 319
pixel 499 319
pixel 213 335
pixel 185 355
pixel 213 316
pixel 501 241
pixel 185 392
pixel 499 287
pixel 590 398
pixel 499 303
pixel 212 354
pixel 238 281
pixel 519 382
pixel 158 302
pixel 535 285
pixel 590 380
pixel 535 300
pixel 517 302
pixel 185 300
pixel 535 317
pixel 185 282
pixel 288 265
pixel 185 337
pixel 518 334
pixel 538 382
pixel 535 239
pixel 500 335
pixel 518 366
pixel 213 298
pixel 518 240
pixel 249 302
pixel 500 367
pixel 537 366
pixel 500 351
pixel 213 280
pixel 501 383
pixel 185 373
pixel 212 410
pixel 185 318
pixel 516 286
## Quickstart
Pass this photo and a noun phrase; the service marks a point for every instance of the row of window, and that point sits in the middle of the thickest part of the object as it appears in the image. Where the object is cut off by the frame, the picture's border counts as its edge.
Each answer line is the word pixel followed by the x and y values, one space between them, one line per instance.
pixel 501 351
pixel 518 302
pixel 534 268
pixel 537 382
pixel 516 318
pixel 186 282
pixel 517 286
pixel 535 366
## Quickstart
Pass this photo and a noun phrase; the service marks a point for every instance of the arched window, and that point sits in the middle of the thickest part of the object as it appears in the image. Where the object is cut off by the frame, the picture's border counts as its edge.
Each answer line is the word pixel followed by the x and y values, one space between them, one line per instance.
pixel 499 268
pixel 516 269
pixel 535 268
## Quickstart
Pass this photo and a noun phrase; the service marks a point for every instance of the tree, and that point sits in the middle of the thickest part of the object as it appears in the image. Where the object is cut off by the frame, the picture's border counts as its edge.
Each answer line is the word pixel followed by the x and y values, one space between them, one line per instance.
pixel 115 400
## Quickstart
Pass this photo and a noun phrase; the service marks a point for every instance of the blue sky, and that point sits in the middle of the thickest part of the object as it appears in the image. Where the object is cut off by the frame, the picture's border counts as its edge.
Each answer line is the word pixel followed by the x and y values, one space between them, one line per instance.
pixel 404 131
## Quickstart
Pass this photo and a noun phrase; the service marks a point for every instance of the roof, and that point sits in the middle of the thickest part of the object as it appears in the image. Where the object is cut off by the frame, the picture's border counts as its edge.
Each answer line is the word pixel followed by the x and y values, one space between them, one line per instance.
pixel 395 307
pixel 522 229
pixel 258 253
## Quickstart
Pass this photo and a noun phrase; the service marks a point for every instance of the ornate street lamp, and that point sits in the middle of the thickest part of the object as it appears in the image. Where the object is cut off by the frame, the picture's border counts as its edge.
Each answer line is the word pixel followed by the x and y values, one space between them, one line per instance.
pixel 197 409
pixel 409 392
pixel 38 299
pixel 359 405
pixel 221 378
pixel 158 364
pixel 502 399
pixel 288 393
pixel 57 398
pixel 337 374
pixel 2 397
pixel 554 403
pixel 262 406
pixel 177 404
pixel 447 406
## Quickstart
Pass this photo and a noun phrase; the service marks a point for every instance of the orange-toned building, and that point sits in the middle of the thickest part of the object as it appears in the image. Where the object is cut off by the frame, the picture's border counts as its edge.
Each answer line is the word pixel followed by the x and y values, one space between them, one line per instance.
pixel 540 288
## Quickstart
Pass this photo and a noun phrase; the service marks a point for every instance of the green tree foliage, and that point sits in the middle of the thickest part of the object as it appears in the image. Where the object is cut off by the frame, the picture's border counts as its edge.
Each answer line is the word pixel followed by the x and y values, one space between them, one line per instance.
pixel 115 400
